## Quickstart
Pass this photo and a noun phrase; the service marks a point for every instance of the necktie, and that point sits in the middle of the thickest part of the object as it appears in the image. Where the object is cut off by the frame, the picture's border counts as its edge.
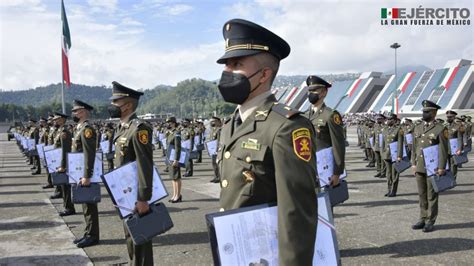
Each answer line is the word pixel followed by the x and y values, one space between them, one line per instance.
pixel 237 120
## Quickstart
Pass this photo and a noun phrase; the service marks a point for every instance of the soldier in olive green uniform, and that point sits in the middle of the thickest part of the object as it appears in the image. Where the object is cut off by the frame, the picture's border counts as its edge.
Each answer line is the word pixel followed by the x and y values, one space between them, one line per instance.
pixel 199 130
pixel 63 141
pixel 393 133
pixel 109 136
pixel 369 132
pixel 215 134
pixel 328 125
pixel 467 141
pixel 133 143
pixel 53 131
pixel 34 133
pixel 408 128
pixel 267 151
pixel 378 128
pixel 187 134
pixel 456 131
pixel 85 141
pixel 174 139
pixel 428 133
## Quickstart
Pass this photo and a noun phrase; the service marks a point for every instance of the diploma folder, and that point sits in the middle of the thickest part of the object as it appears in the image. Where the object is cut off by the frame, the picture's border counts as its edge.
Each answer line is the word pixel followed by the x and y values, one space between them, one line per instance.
pixel 144 228
pixel 120 191
pixel 59 179
pixel 460 159
pixel 337 194
pixel 444 182
pixel 326 246
pixel 85 194
pixel 401 166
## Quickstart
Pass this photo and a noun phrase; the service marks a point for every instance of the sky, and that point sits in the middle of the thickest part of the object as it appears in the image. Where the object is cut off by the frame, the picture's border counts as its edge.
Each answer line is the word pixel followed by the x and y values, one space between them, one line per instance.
pixel 144 43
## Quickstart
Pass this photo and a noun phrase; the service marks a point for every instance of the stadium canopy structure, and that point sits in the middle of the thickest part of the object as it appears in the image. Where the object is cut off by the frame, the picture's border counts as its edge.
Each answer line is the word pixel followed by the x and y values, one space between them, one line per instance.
pixel 451 87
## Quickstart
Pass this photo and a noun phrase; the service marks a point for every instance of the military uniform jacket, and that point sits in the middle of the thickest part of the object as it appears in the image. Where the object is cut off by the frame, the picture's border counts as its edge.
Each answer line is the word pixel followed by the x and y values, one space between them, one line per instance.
pixel 84 141
pixel 133 143
pixel 425 135
pixel 378 129
pixel 392 134
pixel 456 131
pixel 62 140
pixel 52 135
pixel 43 135
pixel 173 137
pixel 188 134
pixel 215 133
pixel 329 133
pixel 34 134
pixel 109 135
pixel 269 158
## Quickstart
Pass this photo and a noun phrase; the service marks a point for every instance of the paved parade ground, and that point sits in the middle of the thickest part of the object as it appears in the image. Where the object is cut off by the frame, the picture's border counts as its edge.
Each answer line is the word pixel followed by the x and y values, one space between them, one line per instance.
pixel 371 229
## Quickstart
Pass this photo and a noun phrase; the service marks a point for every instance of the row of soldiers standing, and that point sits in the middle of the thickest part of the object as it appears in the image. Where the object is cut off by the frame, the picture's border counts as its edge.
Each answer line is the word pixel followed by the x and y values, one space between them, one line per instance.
pixel 376 133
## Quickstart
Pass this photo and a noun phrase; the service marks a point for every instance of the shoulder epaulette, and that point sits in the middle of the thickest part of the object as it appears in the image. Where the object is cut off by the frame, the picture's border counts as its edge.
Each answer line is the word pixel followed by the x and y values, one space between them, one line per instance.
pixel 284 110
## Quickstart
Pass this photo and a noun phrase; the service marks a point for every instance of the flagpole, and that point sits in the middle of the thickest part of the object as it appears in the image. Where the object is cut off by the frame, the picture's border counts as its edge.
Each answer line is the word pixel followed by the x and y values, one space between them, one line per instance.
pixel 62 82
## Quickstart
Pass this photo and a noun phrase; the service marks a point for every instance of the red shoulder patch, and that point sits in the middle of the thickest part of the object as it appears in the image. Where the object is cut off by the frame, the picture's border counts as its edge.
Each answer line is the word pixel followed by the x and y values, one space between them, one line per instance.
pixel 302 144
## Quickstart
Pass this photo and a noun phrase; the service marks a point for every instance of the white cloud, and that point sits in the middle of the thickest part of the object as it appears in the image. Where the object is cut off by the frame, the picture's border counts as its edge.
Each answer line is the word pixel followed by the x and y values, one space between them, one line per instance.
pixel 130 22
pixel 103 6
pixel 176 10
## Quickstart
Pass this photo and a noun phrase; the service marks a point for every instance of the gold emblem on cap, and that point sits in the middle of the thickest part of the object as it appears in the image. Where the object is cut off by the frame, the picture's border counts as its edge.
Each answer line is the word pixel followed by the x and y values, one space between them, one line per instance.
pixel 221 209
pixel 226 42
pixel 227 155
pixel 227 27
pixel 225 183
pixel 248 159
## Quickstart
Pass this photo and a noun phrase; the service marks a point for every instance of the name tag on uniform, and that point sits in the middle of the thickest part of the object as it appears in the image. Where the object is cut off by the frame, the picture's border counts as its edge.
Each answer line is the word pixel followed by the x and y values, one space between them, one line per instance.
pixel 251 144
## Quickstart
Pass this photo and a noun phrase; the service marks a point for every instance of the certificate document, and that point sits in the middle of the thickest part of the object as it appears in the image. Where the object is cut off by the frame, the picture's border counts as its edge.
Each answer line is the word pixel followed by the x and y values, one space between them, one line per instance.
pixel 75 167
pixel 104 146
pixel 325 166
pixel 53 159
pixel 454 145
pixel 122 185
pixel 431 159
pixel 381 141
pixel 40 149
pixel 409 138
pixel 186 144
pixel 212 147
pixel 252 236
pixel 394 151
pixel 371 140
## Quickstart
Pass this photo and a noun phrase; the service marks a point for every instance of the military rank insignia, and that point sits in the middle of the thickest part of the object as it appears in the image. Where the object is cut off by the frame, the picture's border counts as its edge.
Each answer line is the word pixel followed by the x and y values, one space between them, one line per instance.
pixel 88 133
pixel 302 144
pixel 337 119
pixel 143 136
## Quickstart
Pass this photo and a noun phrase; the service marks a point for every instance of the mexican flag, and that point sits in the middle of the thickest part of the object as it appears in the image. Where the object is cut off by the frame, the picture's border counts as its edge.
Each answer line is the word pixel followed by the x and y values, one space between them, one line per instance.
pixel 389 13
pixel 66 45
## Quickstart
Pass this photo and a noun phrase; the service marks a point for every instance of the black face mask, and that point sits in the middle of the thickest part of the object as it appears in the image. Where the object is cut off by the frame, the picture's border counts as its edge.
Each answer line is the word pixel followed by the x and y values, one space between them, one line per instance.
pixel 235 87
pixel 56 126
pixel 114 111
pixel 313 97
pixel 450 120
pixel 427 116
pixel 75 119
pixel 213 124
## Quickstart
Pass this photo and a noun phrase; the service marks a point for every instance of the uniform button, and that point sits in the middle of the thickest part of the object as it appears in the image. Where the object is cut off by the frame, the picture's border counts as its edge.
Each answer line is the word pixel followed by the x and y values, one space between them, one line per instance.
pixel 422 141
pixel 227 155
pixel 225 183
pixel 221 209
pixel 248 159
